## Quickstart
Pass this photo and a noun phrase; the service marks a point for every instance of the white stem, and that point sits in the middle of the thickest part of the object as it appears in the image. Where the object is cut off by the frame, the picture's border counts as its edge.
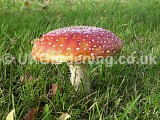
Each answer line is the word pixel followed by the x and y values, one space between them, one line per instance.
pixel 78 77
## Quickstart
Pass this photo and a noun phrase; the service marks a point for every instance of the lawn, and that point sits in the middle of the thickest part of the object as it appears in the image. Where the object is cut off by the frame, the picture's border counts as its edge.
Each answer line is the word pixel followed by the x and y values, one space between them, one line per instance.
pixel 129 91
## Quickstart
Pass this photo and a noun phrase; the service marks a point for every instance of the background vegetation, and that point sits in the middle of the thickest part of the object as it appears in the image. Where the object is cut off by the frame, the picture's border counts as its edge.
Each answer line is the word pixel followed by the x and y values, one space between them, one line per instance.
pixel 123 91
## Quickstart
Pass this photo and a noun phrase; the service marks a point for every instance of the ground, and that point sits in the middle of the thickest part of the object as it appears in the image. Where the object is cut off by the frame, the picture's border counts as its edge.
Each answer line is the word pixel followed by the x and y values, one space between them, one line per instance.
pixel 128 90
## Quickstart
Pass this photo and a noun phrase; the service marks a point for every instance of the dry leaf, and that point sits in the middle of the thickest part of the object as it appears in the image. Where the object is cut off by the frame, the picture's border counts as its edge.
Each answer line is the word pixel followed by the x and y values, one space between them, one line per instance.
pixel 30 115
pixel 26 77
pixel 10 115
pixel 64 116
pixel 54 89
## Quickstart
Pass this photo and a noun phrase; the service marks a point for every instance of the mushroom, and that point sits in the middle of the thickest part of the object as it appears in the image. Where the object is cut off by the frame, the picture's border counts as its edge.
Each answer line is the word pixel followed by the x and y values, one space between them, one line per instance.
pixel 76 45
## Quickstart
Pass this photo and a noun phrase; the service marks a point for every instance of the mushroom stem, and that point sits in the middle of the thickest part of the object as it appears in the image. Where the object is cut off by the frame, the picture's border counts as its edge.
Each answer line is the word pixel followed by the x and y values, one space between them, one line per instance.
pixel 78 77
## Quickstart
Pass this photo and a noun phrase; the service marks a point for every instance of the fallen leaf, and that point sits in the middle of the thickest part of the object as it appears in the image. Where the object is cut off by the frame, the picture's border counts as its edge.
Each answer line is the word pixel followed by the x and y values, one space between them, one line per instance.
pixel 30 115
pixel 54 89
pixel 64 116
pixel 26 77
pixel 10 115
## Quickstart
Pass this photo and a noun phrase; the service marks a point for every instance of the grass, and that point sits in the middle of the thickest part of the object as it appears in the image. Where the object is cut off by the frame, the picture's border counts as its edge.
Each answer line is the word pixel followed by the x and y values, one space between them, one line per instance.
pixel 123 91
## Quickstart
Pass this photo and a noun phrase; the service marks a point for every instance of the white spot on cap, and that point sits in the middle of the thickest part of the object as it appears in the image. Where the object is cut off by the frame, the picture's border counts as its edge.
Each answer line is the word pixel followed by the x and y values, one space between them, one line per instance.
pixel 53 45
pixel 60 51
pixel 94 46
pixel 42 39
pixel 89 42
pixel 57 39
pixel 108 51
pixel 77 48
pixel 70 56
pixel 42 43
pixel 92 40
pixel 86 44
pixel 68 48
pixel 84 39
pixel 61 45
pixel 92 54
pixel 65 38
pixel 49 43
pixel 79 43
pixel 85 48
pixel 87 35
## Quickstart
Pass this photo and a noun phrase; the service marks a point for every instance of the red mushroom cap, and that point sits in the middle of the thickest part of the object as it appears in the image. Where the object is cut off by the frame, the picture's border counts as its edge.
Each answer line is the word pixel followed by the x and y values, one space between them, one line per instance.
pixel 76 43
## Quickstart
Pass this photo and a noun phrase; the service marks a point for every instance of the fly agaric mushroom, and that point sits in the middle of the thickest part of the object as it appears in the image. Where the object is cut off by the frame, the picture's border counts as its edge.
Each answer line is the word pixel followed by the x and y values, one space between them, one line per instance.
pixel 76 45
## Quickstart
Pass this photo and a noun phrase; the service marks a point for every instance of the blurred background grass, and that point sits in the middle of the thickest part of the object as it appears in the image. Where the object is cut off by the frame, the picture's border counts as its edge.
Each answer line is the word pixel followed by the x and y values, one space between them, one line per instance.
pixel 114 89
